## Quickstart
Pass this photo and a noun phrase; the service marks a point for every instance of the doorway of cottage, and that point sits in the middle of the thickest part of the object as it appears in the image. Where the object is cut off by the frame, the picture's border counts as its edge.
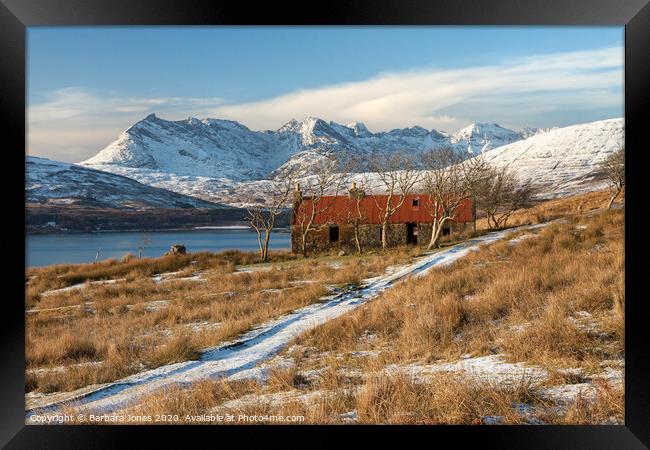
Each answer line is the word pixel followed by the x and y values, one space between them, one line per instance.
pixel 412 233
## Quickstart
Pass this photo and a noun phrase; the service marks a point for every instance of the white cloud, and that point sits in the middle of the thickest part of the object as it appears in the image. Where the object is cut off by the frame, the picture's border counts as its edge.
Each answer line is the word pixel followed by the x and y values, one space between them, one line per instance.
pixel 423 97
pixel 74 124
pixel 74 102
pixel 441 119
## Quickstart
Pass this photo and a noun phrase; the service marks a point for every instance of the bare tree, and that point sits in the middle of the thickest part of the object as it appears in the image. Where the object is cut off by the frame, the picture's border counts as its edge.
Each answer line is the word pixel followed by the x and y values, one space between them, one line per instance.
pixel 449 180
pixel 614 169
pixel 262 218
pixel 500 194
pixel 327 177
pixel 396 174
pixel 143 243
pixel 97 255
pixel 355 214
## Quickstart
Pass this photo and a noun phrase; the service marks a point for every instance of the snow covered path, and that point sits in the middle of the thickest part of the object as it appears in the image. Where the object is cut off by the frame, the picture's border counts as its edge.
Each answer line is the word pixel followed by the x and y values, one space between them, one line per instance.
pixel 239 358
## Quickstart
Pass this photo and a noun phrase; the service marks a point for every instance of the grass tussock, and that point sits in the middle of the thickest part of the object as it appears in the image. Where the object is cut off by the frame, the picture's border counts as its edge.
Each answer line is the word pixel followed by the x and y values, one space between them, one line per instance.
pixel 382 399
pixel 607 408
pixel 445 400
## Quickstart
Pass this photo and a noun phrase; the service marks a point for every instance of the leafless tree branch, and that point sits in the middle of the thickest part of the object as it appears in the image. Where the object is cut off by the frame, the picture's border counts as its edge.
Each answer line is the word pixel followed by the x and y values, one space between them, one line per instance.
pixel 614 169
pixel 448 180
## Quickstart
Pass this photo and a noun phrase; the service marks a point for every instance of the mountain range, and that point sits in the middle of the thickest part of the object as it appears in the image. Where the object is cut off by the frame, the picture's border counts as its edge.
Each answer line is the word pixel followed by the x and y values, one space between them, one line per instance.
pixel 224 149
pixel 208 163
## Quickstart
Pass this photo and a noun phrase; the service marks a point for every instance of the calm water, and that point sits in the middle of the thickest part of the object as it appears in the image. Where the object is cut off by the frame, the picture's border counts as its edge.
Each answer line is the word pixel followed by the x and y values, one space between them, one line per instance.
pixel 45 249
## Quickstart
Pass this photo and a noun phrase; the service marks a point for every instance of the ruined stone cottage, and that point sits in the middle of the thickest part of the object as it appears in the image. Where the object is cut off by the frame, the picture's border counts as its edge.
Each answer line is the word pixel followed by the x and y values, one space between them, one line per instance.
pixel 334 218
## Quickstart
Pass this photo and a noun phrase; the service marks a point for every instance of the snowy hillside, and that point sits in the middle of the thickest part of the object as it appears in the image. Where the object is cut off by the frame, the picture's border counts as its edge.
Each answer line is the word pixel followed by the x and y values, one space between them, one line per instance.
pixel 228 150
pixel 563 161
pixel 57 183
pixel 218 190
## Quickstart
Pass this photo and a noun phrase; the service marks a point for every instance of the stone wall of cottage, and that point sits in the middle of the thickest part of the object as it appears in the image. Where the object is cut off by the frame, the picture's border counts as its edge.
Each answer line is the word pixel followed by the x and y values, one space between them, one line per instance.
pixel 318 238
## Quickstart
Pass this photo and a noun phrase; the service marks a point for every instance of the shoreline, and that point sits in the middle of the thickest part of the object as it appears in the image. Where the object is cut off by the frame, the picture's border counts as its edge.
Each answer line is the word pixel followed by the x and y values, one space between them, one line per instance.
pixel 153 230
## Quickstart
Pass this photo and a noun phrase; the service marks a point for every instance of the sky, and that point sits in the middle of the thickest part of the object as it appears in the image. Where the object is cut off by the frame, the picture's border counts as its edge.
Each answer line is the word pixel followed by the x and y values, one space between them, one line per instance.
pixel 87 85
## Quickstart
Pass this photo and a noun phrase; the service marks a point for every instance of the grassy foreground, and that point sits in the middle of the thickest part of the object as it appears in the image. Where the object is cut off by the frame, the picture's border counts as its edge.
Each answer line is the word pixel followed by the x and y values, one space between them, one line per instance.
pixel 99 332
pixel 551 302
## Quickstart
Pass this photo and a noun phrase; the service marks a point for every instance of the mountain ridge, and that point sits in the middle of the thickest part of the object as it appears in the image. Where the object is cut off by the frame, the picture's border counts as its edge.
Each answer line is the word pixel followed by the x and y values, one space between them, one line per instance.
pixel 226 149
pixel 560 160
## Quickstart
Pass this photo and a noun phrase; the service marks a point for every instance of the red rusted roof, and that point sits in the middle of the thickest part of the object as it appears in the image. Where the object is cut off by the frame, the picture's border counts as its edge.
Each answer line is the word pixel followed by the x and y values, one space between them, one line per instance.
pixel 343 209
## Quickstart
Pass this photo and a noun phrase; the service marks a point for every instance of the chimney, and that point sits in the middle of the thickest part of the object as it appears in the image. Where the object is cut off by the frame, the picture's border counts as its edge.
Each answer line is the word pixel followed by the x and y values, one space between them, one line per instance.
pixel 297 193
pixel 355 192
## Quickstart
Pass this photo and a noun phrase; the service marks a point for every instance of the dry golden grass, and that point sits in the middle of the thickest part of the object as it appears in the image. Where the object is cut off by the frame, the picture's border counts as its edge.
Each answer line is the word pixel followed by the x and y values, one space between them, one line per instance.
pixel 396 399
pixel 196 401
pixel 443 400
pixel 475 305
pixel 389 399
pixel 57 276
pixel 608 407
pixel 381 399
pixel 558 208
pixel 555 300
pixel 138 323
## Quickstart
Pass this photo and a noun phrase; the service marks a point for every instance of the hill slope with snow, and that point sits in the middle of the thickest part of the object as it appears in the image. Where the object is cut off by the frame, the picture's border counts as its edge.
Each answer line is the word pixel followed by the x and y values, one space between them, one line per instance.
pixel 56 183
pixel 563 161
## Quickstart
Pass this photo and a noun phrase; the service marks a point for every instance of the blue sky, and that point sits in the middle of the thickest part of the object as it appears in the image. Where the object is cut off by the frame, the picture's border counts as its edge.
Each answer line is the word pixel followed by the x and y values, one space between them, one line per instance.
pixel 86 85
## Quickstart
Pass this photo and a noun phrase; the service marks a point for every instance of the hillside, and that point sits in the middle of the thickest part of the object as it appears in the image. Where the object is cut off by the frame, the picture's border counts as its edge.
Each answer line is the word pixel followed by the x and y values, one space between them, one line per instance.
pixel 563 161
pixel 54 183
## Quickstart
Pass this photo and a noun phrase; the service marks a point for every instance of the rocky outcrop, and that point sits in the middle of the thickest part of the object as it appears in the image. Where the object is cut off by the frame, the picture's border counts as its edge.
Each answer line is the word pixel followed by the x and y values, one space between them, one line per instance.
pixel 177 249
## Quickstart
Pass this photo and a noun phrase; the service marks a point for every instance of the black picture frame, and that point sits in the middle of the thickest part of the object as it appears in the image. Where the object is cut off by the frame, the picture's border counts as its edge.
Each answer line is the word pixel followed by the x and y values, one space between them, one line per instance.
pixel 16 15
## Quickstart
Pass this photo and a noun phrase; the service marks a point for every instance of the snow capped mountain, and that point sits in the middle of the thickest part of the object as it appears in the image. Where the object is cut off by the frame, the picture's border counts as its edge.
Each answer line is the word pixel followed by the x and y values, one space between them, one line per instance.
pixel 208 147
pixel 226 149
pixel 563 161
pixel 234 163
pixel 58 183
pixel 480 137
